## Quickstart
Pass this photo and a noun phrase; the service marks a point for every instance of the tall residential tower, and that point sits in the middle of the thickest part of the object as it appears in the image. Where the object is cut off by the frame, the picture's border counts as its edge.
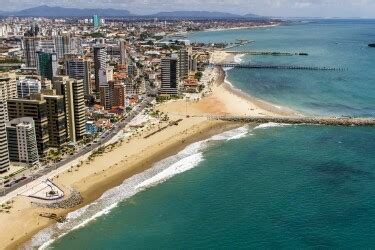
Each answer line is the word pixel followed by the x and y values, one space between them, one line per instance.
pixel 4 155
pixel 80 69
pixel 170 78
pixel 100 60
pixel 22 144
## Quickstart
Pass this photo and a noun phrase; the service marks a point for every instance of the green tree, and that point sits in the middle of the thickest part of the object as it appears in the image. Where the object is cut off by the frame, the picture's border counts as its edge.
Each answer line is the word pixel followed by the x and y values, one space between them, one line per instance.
pixel 198 75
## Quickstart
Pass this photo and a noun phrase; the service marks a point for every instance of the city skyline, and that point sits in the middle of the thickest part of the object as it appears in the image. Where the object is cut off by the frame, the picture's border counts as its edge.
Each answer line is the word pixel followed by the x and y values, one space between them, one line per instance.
pixel 197 124
pixel 284 8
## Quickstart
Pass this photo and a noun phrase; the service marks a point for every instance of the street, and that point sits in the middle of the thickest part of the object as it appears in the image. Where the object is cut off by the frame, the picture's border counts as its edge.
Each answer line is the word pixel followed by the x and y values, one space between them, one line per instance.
pixel 116 128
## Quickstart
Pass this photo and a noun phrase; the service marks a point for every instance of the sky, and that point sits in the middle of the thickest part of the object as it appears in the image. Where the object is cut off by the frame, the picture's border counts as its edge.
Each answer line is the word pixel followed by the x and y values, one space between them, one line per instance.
pixel 306 8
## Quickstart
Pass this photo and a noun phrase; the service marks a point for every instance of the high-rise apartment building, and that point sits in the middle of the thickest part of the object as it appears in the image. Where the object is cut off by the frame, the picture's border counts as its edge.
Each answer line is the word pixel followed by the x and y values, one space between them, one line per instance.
pixel 170 78
pixel 29 45
pixel 59 84
pixel 8 86
pixel 132 70
pixel 56 118
pixel 112 95
pixel 96 21
pixel 193 64
pixel 113 52
pixel 22 144
pixel 80 69
pixel 76 45
pixel 46 45
pixel 62 45
pixel 118 96
pixel 75 109
pixel 105 88
pixel 123 54
pixel 47 64
pixel 184 56
pixel 100 60
pixel 9 82
pixel 28 86
pixel 35 107
pixel 106 96
pixel 4 155
pixel 105 75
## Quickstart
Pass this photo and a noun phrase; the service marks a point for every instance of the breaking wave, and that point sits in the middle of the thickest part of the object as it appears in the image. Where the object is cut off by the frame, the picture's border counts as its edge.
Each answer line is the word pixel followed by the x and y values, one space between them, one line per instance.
pixel 271 125
pixel 185 160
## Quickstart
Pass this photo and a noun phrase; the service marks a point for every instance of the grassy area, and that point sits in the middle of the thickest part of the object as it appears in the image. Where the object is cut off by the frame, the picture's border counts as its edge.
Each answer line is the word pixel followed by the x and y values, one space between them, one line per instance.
pixel 161 99
pixel 10 60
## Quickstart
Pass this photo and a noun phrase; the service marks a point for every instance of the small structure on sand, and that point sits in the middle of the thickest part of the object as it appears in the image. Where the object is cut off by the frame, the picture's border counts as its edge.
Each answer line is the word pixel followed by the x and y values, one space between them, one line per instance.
pixel 46 190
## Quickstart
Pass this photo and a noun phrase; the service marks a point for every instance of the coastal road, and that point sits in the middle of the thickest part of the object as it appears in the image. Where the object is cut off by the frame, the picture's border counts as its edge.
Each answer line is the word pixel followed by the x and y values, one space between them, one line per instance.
pixel 103 140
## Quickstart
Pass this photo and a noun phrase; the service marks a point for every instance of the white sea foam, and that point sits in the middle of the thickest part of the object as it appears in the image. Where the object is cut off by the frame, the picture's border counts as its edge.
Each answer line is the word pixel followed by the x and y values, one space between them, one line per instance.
pixel 239 136
pixel 229 83
pixel 238 58
pixel 185 160
pixel 231 134
pixel 227 68
pixel 271 125
pixel 179 167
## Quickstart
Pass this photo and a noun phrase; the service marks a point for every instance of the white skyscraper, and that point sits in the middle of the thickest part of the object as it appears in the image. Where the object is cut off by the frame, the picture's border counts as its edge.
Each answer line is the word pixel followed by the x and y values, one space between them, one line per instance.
pixel 22 141
pixel 4 155
pixel 100 61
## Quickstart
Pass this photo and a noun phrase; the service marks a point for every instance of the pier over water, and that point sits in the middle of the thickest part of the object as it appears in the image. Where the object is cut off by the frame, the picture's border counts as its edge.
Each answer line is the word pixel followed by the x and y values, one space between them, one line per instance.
pixel 267 53
pixel 332 121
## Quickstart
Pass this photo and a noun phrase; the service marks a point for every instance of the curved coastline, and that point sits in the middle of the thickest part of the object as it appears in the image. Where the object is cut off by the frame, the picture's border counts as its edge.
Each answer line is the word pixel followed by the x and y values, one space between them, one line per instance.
pixel 243 28
pixel 110 170
pixel 105 172
pixel 221 85
pixel 262 104
pixel 163 168
pixel 94 189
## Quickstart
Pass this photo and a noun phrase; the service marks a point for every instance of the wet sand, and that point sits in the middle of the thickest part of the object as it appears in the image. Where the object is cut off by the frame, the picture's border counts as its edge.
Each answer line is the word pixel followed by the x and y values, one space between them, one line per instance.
pixel 134 155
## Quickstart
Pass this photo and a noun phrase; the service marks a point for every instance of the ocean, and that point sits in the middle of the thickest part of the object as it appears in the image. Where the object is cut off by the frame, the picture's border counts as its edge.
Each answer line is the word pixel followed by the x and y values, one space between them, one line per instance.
pixel 266 186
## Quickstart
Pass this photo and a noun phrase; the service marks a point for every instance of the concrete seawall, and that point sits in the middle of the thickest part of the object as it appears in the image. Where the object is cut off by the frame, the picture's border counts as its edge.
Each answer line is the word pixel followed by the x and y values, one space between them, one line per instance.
pixel 332 121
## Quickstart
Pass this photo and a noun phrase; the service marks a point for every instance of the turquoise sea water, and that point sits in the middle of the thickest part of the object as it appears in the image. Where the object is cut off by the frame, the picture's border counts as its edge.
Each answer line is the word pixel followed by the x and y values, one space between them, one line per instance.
pixel 340 44
pixel 260 188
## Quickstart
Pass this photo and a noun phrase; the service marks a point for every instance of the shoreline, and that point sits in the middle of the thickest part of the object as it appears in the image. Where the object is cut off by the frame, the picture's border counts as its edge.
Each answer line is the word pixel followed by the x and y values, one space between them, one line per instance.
pixel 243 28
pixel 120 175
pixel 224 85
pixel 260 103
pixel 96 187
pixel 135 155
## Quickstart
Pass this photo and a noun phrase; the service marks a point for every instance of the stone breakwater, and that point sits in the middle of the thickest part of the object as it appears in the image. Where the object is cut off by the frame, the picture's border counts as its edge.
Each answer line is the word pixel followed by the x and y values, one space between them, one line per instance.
pixel 73 200
pixel 333 121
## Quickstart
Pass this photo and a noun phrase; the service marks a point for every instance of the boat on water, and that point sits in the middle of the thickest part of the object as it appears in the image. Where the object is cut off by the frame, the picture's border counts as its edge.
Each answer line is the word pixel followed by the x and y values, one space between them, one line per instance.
pixel 372 45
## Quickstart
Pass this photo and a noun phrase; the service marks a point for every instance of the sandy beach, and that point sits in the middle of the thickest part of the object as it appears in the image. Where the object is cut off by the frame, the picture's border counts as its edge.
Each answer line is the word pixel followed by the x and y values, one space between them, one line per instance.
pixel 93 178
pixel 132 155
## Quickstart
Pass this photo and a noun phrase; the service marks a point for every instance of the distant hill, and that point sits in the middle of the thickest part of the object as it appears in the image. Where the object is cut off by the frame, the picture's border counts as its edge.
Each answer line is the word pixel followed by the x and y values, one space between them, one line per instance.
pixel 196 14
pixel 47 11
pixel 252 16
